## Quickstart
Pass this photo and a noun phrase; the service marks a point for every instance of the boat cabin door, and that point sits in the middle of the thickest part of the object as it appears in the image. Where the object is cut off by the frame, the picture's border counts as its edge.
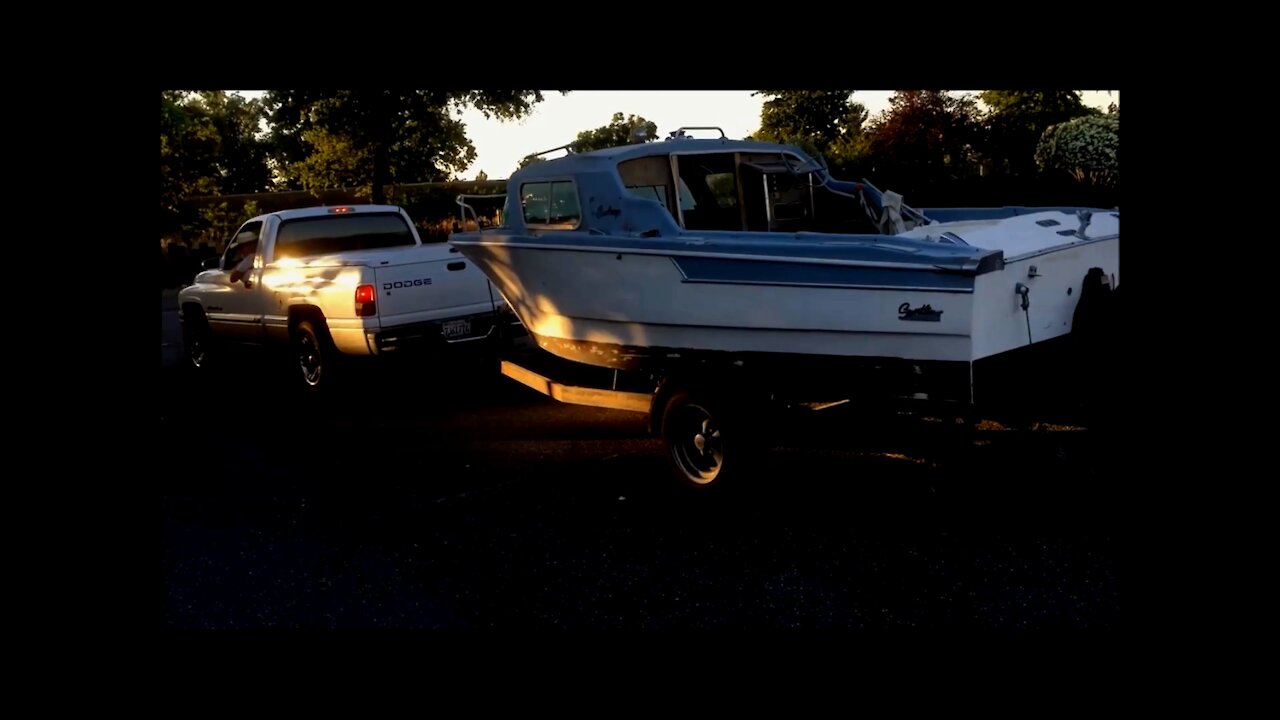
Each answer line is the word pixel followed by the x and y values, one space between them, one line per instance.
pixel 775 199
pixel 709 194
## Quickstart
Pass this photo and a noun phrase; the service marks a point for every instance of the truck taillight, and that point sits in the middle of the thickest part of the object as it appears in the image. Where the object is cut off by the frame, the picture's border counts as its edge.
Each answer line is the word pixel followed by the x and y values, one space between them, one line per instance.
pixel 366 304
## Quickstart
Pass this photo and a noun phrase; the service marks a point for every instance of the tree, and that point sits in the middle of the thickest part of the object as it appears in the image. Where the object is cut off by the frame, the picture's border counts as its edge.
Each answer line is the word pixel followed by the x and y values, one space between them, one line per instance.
pixel 241 163
pixel 482 176
pixel 217 222
pixel 210 143
pixel 924 137
pixel 1016 119
pixel 621 130
pixel 187 148
pixel 819 121
pixel 1086 148
pixel 370 138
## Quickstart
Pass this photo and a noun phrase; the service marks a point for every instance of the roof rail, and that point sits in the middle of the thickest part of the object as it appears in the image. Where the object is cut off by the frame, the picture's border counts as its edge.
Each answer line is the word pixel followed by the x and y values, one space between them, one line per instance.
pixel 679 132
pixel 463 206
pixel 568 147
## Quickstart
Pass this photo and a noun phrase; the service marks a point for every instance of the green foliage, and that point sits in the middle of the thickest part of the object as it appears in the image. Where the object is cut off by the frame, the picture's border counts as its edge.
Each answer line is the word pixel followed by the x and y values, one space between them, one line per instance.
pixel 219 221
pixel 371 138
pixel 502 104
pixel 210 143
pixel 820 122
pixel 241 162
pixel 923 138
pixel 187 146
pixel 334 161
pixel 434 208
pixel 826 117
pixel 1016 119
pixel 1086 148
pixel 621 130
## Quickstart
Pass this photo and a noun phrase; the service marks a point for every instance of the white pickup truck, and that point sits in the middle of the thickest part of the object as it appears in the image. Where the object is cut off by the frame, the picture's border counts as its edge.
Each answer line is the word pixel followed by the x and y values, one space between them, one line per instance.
pixel 355 280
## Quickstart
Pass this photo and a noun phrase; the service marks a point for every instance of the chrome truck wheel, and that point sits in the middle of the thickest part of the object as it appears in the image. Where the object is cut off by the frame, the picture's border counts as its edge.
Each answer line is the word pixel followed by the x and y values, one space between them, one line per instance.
pixel 314 356
pixel 197 341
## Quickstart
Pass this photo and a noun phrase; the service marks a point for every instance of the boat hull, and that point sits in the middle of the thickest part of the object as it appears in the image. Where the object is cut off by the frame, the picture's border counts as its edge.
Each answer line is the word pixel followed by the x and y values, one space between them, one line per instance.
pixel 628 310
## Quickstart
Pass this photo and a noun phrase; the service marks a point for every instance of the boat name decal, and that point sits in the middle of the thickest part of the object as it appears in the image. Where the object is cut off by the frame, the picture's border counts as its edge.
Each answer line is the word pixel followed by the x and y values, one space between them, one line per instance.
pixel 923 313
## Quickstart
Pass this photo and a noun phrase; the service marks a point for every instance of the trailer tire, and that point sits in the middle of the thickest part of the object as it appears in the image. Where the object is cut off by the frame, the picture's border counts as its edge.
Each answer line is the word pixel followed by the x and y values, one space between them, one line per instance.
pixel 705 438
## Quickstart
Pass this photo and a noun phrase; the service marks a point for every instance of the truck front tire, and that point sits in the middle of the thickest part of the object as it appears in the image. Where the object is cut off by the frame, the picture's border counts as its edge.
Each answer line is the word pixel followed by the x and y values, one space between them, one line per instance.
pixel 198 343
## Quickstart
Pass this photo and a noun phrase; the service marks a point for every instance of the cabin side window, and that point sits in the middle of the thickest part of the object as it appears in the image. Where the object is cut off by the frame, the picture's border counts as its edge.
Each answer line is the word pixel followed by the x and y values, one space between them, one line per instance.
pixel 649 178
pixel 550 204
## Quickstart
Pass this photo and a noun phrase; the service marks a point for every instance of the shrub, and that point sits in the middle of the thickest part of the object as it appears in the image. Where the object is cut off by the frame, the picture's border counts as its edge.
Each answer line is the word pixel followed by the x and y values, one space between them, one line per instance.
pixel 1086 148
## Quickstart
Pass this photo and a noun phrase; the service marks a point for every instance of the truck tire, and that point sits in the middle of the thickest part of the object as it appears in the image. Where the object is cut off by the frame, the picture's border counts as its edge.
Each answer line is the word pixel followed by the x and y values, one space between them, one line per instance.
pixel 198 346
pixel 314 355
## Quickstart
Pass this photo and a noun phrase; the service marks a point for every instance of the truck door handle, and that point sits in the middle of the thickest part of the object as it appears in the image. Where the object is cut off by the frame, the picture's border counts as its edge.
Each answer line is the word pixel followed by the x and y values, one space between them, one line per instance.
pixel 456 265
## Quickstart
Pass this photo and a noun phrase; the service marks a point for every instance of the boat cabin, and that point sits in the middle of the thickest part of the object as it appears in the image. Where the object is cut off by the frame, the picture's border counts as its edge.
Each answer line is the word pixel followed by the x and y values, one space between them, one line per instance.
pixel 699 185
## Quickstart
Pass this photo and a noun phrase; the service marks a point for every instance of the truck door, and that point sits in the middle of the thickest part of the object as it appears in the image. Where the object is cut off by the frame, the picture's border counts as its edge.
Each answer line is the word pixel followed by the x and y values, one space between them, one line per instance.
pixel 235 310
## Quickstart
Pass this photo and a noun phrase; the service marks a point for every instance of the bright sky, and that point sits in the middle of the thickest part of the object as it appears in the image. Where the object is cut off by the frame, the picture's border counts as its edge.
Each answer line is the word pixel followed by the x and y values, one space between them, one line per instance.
pixel 559 118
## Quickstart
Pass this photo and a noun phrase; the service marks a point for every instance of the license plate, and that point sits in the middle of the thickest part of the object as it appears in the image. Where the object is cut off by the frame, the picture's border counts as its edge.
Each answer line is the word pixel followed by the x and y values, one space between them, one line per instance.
pixel 457 328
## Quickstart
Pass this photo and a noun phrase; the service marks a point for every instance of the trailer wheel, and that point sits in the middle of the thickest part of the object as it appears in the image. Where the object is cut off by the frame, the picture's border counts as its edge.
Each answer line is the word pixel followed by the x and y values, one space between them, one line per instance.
pixel 700 437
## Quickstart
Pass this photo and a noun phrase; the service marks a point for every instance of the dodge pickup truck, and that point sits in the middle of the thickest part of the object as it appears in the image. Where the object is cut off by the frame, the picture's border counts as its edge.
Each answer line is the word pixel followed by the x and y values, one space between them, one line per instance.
pixel 332 281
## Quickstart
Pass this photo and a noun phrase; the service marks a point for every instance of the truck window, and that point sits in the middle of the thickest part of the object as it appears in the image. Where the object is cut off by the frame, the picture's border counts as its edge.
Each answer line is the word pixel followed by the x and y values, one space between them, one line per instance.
pixel 243 244
pixel 327 234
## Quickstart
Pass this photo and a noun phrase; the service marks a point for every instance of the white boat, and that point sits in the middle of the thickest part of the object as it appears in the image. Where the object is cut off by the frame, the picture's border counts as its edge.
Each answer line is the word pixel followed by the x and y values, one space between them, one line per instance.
pixel 737 253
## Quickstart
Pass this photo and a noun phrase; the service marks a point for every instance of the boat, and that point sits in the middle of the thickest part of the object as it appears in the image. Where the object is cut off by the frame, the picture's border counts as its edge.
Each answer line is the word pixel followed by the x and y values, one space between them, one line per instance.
pixel 736 253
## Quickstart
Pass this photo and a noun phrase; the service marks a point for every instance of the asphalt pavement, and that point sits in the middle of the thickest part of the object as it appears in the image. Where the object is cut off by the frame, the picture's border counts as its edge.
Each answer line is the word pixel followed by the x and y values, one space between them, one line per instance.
pixel 439 495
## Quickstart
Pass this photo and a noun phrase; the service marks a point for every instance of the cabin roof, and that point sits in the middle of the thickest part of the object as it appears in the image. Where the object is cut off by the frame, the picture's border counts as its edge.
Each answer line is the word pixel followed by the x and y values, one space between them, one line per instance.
pixel 600 159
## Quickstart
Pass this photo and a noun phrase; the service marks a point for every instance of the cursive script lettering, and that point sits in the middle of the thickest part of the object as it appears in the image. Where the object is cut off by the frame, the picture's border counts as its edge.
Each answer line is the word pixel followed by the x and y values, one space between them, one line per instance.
pixel 924 313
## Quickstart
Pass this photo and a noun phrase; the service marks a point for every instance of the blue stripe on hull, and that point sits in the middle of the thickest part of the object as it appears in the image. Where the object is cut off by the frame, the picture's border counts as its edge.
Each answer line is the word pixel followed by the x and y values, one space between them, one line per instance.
pixel 748 272
pixel 851 249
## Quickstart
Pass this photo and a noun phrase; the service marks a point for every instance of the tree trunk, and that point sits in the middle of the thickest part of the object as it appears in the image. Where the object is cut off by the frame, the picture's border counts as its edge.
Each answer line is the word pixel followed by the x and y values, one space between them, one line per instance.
pixel 380 173
pixel 381 161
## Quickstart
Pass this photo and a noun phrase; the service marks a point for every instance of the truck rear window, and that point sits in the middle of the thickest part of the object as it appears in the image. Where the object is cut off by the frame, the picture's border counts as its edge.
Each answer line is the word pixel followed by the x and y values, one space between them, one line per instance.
pixel 341 233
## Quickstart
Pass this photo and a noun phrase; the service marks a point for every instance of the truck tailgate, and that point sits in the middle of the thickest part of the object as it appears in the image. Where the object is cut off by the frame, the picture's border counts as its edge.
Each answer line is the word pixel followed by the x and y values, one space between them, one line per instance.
pixel 432 290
